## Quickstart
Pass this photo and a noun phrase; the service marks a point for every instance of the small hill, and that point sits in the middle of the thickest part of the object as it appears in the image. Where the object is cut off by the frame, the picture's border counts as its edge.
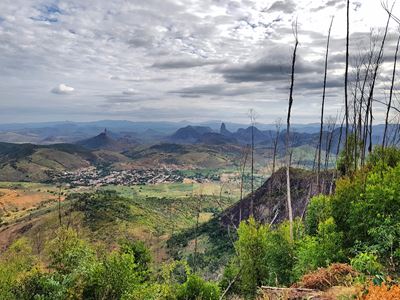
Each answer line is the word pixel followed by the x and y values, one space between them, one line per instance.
pixel 28 162
pixel 270 202
pixel 103 141
pixel 189 134
pixel 184 155
pixel 244 135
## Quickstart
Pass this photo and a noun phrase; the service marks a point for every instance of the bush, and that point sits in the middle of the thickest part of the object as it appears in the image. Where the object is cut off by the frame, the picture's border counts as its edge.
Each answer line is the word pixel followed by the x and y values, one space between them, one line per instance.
pixel 265 256
pixel 320 250
pixel 367 263
pixel 66 251
pixel 196 288
pixel 17 260
pixel 140 252
pixel 319 210
pixel 388 157
pixel 251 246
pixel 116 277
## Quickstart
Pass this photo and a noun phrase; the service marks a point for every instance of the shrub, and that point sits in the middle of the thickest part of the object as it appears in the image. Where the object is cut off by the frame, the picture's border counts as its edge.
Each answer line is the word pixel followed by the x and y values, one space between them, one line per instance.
pixel 116 277
pixel 196 288
pixel 319 210
pixel 66 251
pixel 16 260
pixel 251 246
pixel 140 252
pixel 320 250
pixel 366 263
pixel 388 157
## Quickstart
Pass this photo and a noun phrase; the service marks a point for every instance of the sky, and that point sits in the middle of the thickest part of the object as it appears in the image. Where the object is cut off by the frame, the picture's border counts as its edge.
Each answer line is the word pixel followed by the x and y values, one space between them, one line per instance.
pixel 172 60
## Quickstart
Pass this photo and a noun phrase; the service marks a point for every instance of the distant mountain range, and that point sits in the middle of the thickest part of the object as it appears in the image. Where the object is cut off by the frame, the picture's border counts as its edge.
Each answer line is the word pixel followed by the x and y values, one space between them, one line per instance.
pixel 142 132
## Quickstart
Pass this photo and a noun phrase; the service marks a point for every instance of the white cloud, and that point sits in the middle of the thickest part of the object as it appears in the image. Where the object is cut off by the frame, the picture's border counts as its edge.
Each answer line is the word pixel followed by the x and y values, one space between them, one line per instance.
pixel 129 92
pixel 62 89
pixel 156 47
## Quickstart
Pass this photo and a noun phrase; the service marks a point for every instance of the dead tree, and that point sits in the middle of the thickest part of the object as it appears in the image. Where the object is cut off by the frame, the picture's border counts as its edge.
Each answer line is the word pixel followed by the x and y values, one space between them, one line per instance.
pixel 390 95
pixel 288 152
pixel 59 205
pixel 346 76
pixel 199 199
pixel 278 124
pixel 242 169
pixel 375 74
pixel 323 106
pixel 331 130
pixel 252 116
pixel 364 134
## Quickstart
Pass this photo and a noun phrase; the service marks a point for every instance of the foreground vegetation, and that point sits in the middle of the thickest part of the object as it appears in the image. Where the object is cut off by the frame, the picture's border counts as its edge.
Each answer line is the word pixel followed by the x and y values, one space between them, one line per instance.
pixel 357 227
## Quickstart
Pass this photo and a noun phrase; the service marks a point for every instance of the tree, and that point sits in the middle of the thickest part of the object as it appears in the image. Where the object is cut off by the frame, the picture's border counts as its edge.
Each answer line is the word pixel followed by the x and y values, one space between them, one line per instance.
pixel 252 116
pixel 346 74
pixel 251 246
pixel 323 105
pixel 390 94
pixel 288 154
pixel 278 124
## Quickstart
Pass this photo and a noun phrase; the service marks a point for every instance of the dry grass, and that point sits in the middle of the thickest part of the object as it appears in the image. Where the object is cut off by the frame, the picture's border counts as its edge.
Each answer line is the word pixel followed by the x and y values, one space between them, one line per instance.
pixel 324 278
pixel 376 292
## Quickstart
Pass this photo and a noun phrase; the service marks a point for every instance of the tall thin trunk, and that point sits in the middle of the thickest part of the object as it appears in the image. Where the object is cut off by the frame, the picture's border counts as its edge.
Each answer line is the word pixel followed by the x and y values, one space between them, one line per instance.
pixel 59 205
pixel 346 75
pixel 362 131
pixel 252 119
pixel 198 209
pixel 375 74
pixel 323 106
pixel 242 173
pixel 355 128
pixel 288 154
pixel 390 95
pixel 276 140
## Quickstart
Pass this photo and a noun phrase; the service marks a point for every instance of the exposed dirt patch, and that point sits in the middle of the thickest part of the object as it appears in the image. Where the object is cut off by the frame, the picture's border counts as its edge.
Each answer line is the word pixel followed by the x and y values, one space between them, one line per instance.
pixel 22 199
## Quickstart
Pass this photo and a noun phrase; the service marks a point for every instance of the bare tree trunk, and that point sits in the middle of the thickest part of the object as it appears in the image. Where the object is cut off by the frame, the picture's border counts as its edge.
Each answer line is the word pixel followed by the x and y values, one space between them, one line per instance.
pixel 242 173
pixel 390 96
pixel 363 131
pixel 323 106
pixel 346 74
pixel 375 74
pixel 355 129
pixel 59 205
pixel 276 140
pixel 252 120
pixel 331 130
pixel 198 209
pixel 288 154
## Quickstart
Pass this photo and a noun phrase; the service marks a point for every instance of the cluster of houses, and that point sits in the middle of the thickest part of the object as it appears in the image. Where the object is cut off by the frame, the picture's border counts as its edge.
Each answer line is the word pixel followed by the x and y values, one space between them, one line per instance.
pixel 93 176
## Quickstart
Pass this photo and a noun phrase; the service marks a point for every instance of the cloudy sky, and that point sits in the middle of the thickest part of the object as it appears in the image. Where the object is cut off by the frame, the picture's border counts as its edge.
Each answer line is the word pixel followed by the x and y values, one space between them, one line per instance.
pixel 175 59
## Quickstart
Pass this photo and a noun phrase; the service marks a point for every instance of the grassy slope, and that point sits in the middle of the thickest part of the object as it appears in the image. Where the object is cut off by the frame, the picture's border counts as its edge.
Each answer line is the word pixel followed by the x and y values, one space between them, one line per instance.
pixel 158 212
